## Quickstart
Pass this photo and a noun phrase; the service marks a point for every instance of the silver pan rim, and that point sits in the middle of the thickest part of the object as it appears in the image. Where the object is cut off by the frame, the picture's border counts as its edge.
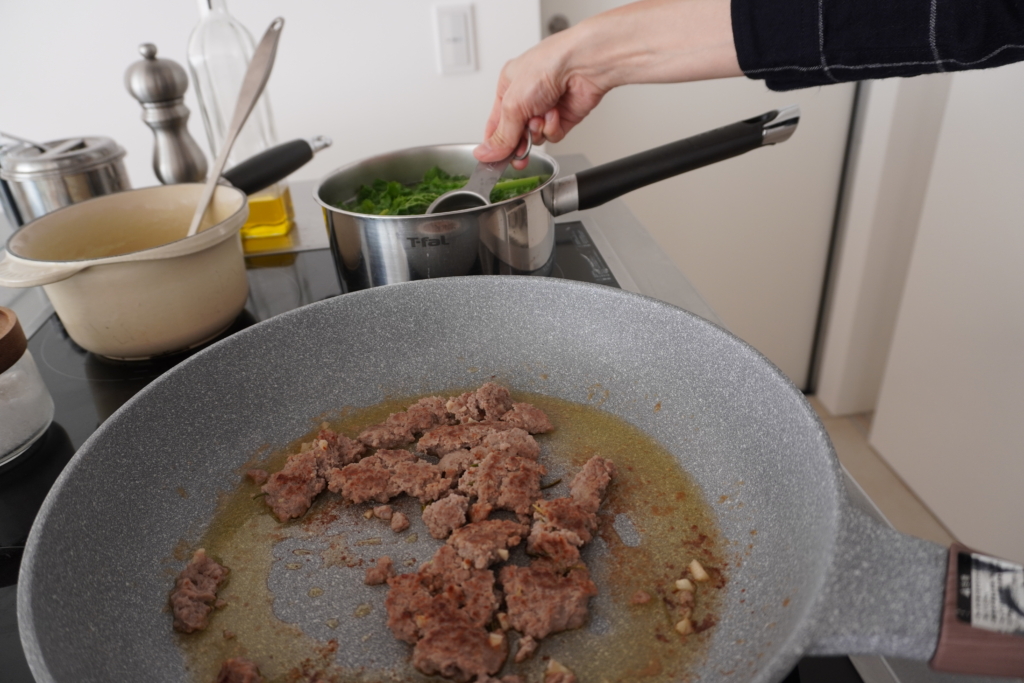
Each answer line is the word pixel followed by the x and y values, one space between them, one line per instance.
pixel 408 151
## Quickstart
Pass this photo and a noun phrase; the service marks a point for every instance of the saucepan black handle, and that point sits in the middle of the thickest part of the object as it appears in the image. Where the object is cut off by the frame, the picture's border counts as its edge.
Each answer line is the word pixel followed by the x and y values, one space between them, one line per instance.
pixel 601 184
pixel 277 163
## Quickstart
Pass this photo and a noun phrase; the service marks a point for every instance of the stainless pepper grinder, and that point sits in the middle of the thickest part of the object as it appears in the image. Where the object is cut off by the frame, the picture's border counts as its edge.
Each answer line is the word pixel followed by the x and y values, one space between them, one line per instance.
pixel 160 85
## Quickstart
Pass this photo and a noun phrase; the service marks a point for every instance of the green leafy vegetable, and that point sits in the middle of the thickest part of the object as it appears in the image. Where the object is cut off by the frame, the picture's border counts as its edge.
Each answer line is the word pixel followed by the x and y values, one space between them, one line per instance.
pixel 388 198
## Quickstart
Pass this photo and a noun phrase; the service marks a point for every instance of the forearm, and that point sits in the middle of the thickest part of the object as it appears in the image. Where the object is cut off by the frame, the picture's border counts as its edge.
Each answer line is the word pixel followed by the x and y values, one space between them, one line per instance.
pixel 654 41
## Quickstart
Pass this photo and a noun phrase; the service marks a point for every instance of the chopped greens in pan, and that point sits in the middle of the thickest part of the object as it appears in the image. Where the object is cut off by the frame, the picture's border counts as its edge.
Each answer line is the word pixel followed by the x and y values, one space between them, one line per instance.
pixel 390 198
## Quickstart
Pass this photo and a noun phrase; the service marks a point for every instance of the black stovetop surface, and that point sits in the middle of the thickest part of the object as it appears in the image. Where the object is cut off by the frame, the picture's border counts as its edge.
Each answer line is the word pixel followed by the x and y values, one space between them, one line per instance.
pixel 87 389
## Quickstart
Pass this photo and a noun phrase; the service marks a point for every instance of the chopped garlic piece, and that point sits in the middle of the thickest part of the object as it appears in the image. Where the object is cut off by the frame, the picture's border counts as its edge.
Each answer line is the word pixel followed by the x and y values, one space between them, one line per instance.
pixel 503 621
pixel 555 667
pixel 685 627
pixel 698 571
pixel 685 585
pixel 368 514
pixel 502 553
pixel 496 639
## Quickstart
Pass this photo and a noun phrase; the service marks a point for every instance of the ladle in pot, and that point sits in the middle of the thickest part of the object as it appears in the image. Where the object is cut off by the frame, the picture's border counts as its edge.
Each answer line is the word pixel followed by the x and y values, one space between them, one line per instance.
pixel 256 77
pixel 477 190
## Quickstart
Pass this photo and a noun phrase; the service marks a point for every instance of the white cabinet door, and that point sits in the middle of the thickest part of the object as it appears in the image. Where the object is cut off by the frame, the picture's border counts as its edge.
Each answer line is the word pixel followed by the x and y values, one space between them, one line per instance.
pixel 752 233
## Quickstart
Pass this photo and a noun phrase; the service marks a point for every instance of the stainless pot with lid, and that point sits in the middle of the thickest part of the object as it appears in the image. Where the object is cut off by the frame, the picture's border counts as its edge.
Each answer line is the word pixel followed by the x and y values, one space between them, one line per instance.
pixel 511 236
pixel 62 172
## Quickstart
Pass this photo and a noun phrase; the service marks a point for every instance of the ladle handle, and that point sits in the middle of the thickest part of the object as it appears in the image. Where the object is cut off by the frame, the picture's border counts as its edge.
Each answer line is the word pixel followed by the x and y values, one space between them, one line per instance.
pixel 256 77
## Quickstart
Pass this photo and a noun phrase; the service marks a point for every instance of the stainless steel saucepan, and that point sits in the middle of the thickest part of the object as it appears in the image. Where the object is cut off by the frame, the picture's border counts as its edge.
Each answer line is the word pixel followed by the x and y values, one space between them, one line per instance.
pixel 513 236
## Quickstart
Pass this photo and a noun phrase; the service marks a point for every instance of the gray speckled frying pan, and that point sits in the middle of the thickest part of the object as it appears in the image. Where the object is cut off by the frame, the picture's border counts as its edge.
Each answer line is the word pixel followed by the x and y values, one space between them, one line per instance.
pixel 93 586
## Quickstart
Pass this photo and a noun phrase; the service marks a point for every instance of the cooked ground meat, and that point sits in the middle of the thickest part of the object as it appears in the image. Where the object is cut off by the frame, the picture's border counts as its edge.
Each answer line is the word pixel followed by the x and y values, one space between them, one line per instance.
pixel 383 512
pixel 456 648
pixel 588 486
pixel 291 491
pixel 448 438
pixel 408 595
pixel 380 572
pixel 336 450
pixel 400 429
pixel 453 464
pixel 444 579
pixel 528 417
pixel 483 543
pixel 370 478
pixel 527 646
pixel 258 477
pixel 541 600
pixel 566 514
pixel 195 592
pixel 446 515
pixel 420 479
pixel 514 441
pixel 488 403
pixel 502 482
pixel 239 670
pixel 559 546
pixel 399 522
pixel 473 588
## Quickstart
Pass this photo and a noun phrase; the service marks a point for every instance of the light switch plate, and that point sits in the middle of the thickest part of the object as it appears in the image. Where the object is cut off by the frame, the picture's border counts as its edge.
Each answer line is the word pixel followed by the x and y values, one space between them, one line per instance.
pixel 455 36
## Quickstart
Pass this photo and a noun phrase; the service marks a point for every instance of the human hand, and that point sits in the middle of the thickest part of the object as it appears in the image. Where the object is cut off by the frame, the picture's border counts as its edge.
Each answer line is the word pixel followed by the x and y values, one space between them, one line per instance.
pixel 541 92
pixel 553 86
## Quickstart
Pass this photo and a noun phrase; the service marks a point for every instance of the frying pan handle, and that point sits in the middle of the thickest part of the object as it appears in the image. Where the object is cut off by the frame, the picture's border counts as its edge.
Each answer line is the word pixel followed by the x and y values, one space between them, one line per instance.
pixel 964 648
pixel 895 595
pixel 601 184
pixel 277 163
pixel 883 594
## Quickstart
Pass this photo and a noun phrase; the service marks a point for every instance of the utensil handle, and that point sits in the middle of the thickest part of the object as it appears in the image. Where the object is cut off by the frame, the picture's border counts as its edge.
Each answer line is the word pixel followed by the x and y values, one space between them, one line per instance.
pixel 270 166
pixel 256 77
pixel 895 595
pixel 601 184
pixel 882 595
pixel 963 647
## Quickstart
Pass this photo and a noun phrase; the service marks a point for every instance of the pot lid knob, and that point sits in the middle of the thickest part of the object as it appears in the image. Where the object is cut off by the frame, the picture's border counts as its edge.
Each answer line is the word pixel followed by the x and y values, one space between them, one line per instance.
pixel 152 80
pixel 12 339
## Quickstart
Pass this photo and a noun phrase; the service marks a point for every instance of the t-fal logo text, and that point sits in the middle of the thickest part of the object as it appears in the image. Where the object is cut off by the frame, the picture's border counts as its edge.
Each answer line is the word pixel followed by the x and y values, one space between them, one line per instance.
pixel 427 241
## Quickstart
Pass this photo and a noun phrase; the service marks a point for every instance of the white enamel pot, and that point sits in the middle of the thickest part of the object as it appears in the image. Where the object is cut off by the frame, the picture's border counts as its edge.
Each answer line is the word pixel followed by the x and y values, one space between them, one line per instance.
pixel 123 278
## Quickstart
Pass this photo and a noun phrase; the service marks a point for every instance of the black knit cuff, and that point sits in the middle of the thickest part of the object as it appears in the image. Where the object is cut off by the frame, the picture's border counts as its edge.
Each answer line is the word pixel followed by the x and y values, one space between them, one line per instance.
pixel 801 43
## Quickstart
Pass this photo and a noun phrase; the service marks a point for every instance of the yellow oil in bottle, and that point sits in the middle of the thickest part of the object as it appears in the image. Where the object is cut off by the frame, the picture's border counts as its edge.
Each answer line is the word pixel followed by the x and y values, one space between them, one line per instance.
pixel 270 214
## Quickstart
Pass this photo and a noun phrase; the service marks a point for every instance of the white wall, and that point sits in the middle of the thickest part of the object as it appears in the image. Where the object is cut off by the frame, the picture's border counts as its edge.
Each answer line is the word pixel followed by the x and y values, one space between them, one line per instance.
pixel 361 72
pixel 897 132
pixel 751 233
pixel 949 414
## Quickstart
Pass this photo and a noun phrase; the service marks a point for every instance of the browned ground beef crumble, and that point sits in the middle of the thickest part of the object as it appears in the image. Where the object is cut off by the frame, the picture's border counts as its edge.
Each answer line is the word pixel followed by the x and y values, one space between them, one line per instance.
pixel 380 572
pixel 239 670
pixel 195 592
pixel 487 462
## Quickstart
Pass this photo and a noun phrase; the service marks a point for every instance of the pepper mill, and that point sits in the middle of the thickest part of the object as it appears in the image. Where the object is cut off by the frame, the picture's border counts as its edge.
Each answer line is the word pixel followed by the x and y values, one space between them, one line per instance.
pixel 160 85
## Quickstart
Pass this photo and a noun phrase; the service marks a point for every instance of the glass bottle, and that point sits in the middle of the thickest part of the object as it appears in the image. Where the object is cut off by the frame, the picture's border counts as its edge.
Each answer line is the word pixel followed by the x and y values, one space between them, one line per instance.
pixel 26 408
pixel 219 51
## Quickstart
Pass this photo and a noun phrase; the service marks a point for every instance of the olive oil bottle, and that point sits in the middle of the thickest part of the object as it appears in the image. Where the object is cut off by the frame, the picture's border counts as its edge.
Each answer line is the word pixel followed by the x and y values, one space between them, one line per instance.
pixel 219 51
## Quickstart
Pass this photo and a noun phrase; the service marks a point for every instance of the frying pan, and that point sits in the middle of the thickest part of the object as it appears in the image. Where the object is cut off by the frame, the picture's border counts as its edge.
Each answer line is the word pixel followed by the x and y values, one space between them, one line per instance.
pixel 821 577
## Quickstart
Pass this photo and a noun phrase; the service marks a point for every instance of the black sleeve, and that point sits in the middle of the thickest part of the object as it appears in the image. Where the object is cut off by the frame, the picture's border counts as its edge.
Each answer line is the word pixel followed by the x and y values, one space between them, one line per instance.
pixel 800 43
